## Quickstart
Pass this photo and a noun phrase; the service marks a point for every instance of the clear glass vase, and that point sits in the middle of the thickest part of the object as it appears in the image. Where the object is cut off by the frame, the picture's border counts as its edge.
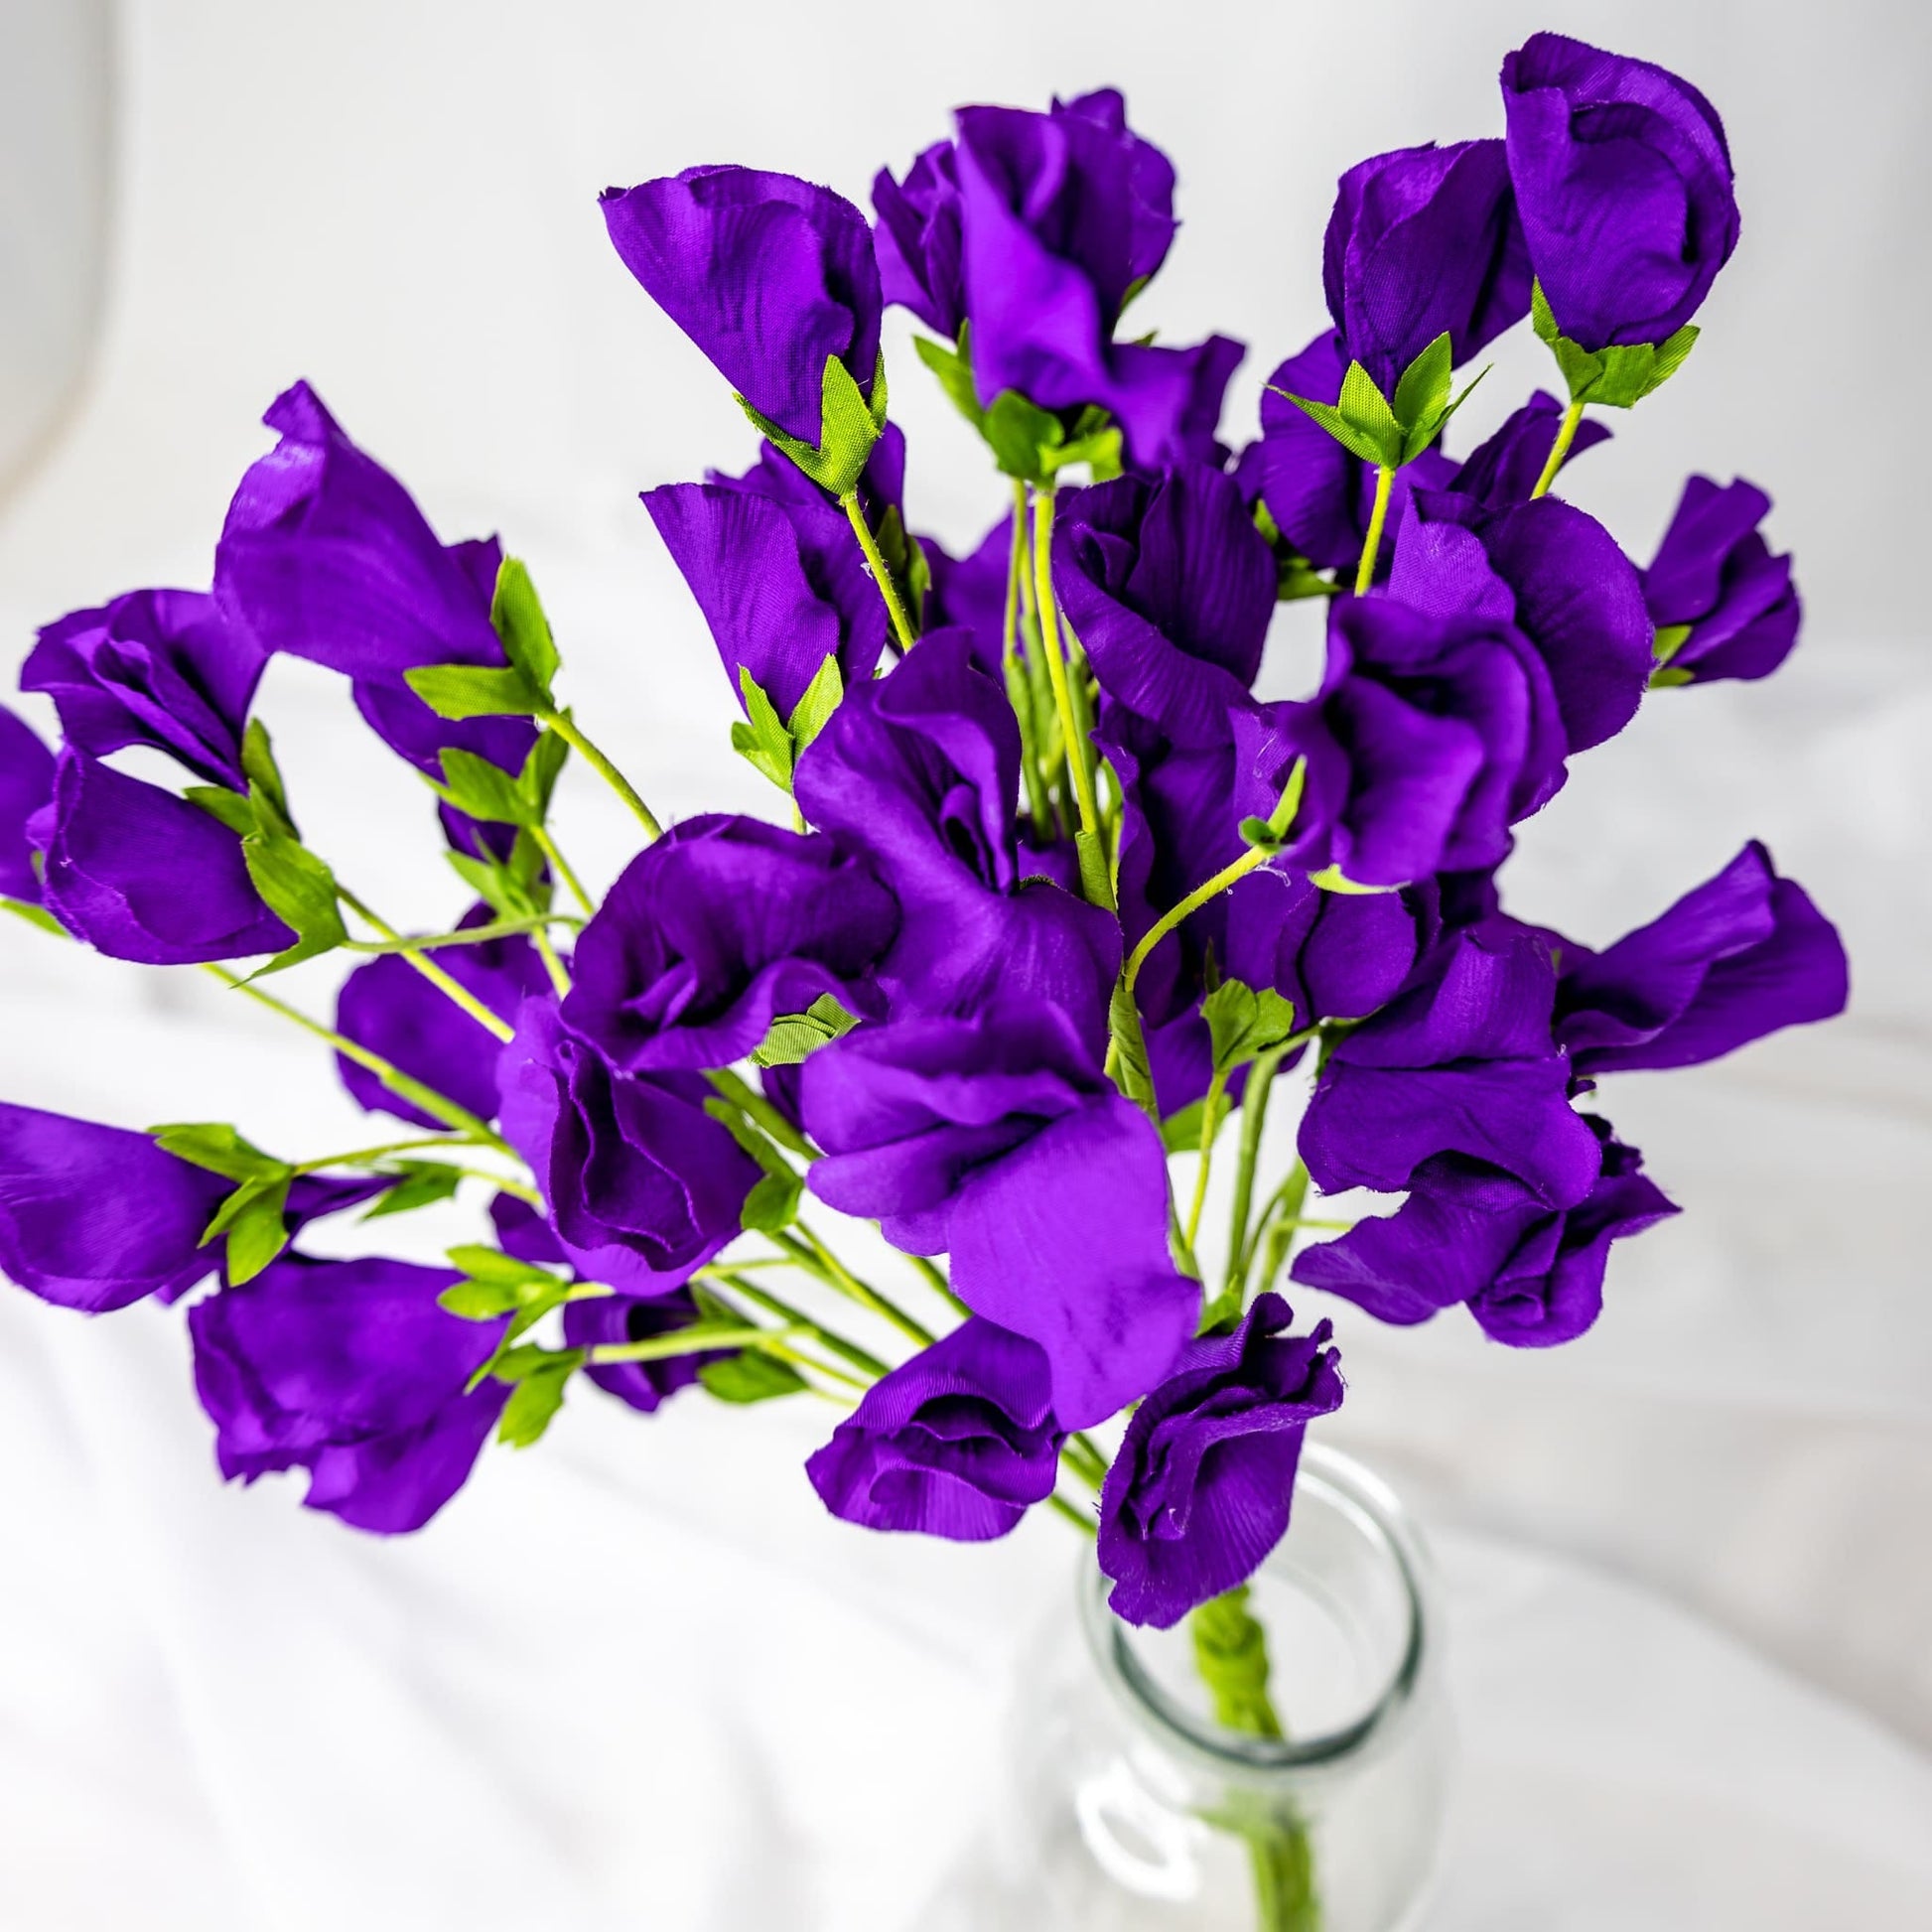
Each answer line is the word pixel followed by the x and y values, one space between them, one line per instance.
pixel 1129 1807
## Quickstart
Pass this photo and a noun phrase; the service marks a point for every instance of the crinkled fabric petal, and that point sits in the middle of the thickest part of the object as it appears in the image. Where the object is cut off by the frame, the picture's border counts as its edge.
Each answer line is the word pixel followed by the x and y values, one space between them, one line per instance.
pixel 1483 997
pixel 390 1485
pixel 25 787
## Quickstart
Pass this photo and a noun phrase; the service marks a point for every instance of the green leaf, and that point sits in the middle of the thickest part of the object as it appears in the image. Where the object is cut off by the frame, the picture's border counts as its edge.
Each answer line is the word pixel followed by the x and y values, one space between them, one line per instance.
pixel 474 1300
pixel 750 1377
pixel 1669 641
pixel 263 775
pixel 1619 376
pixel 498 886
pixel 481 790
pixel 849 426
pixel 535 1399
pixel 1351 439
pixel 252 1219
pixel 1333 880
pixel 772 1204
pixel 1180 1131
pixel 1136 1079
pixel 1244 1022
pixel 761 738
pixel 1668 675
pixel 475 690
pixel 537 781
pixel 297 886
pixel 34 914
pixel 231 807
pixel 518 621
pixel 419 1184
pixel 748 1135
pixel 486 1264
pixel 814 710
pixel 1020 435
pixel 1367 410
pixel 216 1146
pixel 1422 395
pixel 954 368
pixel 793 1036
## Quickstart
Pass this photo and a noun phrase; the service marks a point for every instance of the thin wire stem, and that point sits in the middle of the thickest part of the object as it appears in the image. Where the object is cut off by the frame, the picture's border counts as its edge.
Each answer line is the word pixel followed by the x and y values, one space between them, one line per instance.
pixel 562 724
pixel 1559 449
pixel 561 867
pixel 452 988
pixel 559 973
pixel 881 576
pixel 818 1259
pixel 1377 517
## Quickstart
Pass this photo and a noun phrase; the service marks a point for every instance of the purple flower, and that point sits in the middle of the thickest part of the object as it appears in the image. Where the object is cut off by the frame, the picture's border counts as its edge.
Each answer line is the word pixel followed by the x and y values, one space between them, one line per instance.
pixel 998 1137
pixel 921 257
pixel 1430 736
pixel 154 667
pixel 641 1184
pixel 1555 574
pixel 1505 471
pixel 1061 216
pixel 1169 588
pixel 615 1319
pixel 769 276
pixel 141 875
pixel 1714 572
pixel 1330 955
pixel 1318 494
pixel 1421 242
pixel 959 1441
pixel 26 785
pixel 1200 1492
pixel 1532 1277
pixel 1463 1063
pixel 920 771
pixel 94 1217
pixel 350 1370
pixel 1734 959
pixel 391 1009
pixel 1624 183
pixel 714 931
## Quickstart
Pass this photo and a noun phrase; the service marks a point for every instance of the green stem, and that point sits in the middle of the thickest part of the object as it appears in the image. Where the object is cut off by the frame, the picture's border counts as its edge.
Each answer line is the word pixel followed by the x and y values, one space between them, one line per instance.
pixel 363 1157
pixel 1559 449
pixel 559 973
pixel 1078 1517
pixel 452 988
pixel 1372 543
pixel 849 1352
pixel 813 1255
pixel 1229 875
pixel 1210 1105
pixel 692 1340
pixel 935 1279
pixel 756 1108
pixel 1275 1227
pixel 1080 1455
pixel 561 723
pixel 468 935
pixel 1254 1113
pixel 1020 692
pixel 881 576
pixel 393 1077
pixel 561 867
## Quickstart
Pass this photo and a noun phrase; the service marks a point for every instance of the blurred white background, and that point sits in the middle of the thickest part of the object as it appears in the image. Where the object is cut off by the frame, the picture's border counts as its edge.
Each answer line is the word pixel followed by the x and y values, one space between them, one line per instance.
pixel 637 1678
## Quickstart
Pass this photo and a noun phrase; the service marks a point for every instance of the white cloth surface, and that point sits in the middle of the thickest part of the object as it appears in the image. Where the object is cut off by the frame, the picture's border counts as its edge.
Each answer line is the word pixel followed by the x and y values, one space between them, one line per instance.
pixel 634 1678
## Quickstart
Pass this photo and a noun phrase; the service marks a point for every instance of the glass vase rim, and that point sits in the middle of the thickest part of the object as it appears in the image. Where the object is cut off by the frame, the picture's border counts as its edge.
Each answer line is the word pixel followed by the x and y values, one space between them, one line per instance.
pixel 1363 1494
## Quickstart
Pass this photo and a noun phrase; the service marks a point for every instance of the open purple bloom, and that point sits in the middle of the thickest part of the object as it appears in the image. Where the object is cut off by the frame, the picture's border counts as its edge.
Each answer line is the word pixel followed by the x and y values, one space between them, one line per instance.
pixel 1424 242
pixel 1623 183
pixel 154 667
pixel 769 275
pixel 1503 471
pixel 142 874
pixel 613 1318
pixel 1430 736
pixel 999 1137
pixel 1715 572
pixel 26 786
pixel 1556 574
pixel 347 1369
pixel 642 1184
pixel 1061 216
pixel 1735 958
pixel 391 1009
pixel 716 930
pixel 918 771
pixel 1201 1490
pixel 1531 1275
pixel 94 1217
pixel 1462 1063
pixel 959 1441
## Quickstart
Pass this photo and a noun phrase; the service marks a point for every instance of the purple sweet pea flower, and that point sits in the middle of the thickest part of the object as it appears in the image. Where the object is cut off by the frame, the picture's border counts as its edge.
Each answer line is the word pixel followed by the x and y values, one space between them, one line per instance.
pixel 1505 470
pixel 1624 183
pixel 1716 573
pixel 716 930
pixel 1061 216
pixel 1429 738
pixel 921 257
pixel 1555 574
pixel 154 667
pixel 613 1318
pixel 769 275
pixel 26 786
pixel 350 1370
pixel 141 875
pixel 1201 1490
pixel 1532 1277
pixel 920 771
pixel 1462 1063
pixel 391 1009
pixel 1318 494
pixel 1735 958
pixel 641 1184
pixel 959 1441
pixel 1424 242
pixel 94 1217
pixel 1330 955
pixel 998 1136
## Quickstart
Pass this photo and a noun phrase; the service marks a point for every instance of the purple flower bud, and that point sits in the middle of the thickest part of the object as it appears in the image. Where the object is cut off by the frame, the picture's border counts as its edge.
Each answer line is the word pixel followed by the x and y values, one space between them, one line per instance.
pixel 718 930
pixel 613 1318
pixel 921 260
pixel 1201 1490
pixel 154 667
pixel 769 275
pixel 1424 242
pixel 959 1441
pixel 26 786
pixel 1715 572
pixel 1624 183
pixel 141 875
pixel 347 1369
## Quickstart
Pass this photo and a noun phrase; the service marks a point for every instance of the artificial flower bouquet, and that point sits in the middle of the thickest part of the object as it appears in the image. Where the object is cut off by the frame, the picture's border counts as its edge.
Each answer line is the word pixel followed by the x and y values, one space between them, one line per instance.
pixel 1051 905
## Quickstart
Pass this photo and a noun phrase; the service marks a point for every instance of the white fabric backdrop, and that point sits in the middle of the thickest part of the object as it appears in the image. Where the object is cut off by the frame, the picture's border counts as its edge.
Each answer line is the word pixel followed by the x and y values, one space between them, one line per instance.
pixel 636 1678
